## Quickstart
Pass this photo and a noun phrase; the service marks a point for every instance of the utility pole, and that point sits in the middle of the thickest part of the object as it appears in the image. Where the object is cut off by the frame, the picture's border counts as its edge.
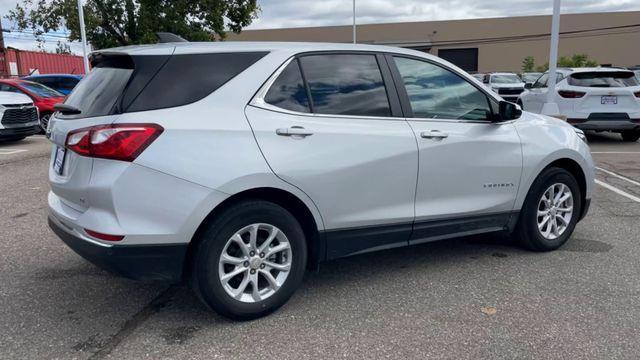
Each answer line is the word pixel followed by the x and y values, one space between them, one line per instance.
pixel 354 21
pixel 550 107
pixel 83 37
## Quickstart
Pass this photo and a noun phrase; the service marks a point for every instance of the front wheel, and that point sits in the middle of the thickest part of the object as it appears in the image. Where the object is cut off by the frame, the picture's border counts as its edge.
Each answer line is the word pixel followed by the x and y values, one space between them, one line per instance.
pixel 550 212
pixel 249 260
pixel 630 136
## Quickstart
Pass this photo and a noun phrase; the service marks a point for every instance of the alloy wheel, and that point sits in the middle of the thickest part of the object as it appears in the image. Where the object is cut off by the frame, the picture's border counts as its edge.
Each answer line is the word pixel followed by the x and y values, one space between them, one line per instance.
pixel 255 263
pixel 555 210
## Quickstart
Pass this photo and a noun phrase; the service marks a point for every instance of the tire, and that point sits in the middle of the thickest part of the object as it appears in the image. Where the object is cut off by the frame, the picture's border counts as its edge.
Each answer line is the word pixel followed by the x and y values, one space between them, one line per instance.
pixel 216 238
pixel 630 136
pixel 528 232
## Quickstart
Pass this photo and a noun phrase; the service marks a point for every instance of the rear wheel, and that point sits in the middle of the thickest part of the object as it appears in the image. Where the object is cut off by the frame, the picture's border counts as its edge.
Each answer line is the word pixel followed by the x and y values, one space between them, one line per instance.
pixel 249 260
pixel 550 212
pixel 631 136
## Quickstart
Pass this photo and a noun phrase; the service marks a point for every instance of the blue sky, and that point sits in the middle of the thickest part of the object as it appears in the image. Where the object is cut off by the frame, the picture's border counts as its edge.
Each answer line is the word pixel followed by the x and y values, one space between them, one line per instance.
pixel 297 13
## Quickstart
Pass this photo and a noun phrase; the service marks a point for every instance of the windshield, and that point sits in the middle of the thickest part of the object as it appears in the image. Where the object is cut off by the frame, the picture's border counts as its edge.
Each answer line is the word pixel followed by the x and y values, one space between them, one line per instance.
pixel 530 78
pixel 40 89
pixel 604 79
pixel 505 79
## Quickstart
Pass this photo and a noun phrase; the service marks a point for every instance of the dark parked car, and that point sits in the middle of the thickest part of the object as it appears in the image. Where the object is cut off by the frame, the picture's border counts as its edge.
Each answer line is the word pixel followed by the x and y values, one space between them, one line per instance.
pixel 63 83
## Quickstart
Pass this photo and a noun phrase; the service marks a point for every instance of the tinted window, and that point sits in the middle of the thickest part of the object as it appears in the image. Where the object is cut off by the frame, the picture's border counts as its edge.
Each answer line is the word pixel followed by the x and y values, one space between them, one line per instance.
pixel 288 91
pixel 185 79
pixel 98 93
pixel 603 79
pixel 68 83
pixel 40 89
pixel 543 81
pixel 505 79
pixel 5 87
pixel 122 83
pixel 346 84
pixel 435 92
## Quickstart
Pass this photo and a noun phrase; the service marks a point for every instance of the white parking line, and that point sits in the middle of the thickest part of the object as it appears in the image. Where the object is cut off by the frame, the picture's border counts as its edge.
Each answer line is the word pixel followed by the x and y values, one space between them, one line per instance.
pixel 618 191
pixel 619 176
pixel 11 151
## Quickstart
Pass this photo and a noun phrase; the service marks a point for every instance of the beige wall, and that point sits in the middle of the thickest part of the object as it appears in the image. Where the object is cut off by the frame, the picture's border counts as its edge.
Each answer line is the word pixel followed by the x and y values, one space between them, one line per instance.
pixel 617 49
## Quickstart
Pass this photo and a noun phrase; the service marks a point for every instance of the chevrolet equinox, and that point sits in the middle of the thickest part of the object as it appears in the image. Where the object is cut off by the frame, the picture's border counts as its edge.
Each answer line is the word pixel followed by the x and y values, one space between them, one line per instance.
pixel 236 166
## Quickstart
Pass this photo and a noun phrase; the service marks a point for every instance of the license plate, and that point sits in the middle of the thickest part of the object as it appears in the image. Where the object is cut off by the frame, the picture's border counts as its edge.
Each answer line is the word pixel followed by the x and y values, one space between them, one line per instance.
pixel 58 160
pixel 609 100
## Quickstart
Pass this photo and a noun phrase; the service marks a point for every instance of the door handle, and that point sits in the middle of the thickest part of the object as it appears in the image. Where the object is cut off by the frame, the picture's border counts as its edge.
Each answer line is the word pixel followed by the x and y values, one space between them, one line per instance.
pixel 294 131
pixel 433 134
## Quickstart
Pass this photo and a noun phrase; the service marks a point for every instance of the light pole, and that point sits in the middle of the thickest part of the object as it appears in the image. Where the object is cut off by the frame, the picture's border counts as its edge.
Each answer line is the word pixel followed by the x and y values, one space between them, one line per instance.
pixel 550 107
pixel 354 21
pixel 83 37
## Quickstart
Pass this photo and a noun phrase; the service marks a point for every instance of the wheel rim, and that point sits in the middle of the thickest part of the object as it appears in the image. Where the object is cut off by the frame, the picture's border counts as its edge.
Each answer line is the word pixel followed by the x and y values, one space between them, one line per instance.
pixel 555 211
pixel 255 262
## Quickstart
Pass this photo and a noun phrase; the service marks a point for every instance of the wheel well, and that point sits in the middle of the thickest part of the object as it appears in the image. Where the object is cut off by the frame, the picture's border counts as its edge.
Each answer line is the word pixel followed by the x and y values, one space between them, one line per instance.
pixel 575 170
pixel 288 201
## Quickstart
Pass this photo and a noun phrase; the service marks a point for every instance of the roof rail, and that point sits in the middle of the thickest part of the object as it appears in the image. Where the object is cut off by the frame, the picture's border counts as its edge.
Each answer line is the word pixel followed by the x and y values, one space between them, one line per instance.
pixel 167 37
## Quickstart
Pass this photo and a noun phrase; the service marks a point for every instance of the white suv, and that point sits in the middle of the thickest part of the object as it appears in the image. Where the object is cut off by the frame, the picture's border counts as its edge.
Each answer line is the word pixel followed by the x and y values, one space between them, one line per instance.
pixel 18 117
pixel 238 165
pixel 508 85
pixel 601 99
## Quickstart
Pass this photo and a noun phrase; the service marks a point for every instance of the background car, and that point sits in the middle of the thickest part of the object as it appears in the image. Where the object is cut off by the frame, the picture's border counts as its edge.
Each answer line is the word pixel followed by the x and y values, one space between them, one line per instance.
pixel 479 76
pixel 530 77
pixel 44 98
pixel 63 83
pixel 18 116
pixel 600 99
pixel 507 85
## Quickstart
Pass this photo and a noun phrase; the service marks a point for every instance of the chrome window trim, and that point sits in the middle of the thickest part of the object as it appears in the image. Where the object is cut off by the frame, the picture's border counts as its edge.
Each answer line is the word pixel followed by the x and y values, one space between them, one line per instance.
pixel 258 102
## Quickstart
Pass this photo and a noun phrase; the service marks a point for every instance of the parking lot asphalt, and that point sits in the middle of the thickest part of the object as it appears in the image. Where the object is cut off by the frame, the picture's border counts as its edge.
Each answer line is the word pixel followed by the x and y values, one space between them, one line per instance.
pixel 470 298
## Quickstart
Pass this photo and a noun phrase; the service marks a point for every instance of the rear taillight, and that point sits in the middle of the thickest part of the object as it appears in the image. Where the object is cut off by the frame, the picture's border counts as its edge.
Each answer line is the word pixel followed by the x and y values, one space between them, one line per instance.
pixel 116 142
pixel 569 94
pixel 105 237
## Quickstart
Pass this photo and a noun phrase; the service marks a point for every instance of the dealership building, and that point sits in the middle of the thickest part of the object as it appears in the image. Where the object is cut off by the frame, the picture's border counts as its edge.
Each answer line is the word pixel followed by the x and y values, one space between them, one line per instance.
pixel 483 45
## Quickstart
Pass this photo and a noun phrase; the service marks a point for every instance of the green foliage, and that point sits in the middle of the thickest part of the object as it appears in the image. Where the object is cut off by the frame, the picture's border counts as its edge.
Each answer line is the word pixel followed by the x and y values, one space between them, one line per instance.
pixel 528 64
pixel 112 23
pixel 575 61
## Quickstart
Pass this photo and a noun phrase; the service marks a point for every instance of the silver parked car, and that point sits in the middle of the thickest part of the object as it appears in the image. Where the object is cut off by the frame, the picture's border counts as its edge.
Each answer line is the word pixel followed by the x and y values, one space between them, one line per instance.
pixel 239 165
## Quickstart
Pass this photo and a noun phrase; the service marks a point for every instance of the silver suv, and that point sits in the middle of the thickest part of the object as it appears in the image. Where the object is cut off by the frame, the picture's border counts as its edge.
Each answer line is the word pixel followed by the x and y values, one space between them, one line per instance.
pixel 236 166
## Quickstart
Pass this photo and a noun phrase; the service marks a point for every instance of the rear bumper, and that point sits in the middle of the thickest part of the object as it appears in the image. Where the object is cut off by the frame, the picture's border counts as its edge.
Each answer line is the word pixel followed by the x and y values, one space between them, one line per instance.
pixel 18 132
pixel 605 125
pixel 162 262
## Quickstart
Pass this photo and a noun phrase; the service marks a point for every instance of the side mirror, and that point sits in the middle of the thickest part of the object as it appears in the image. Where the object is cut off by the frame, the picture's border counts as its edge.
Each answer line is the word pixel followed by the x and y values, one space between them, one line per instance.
pixel 528 86
pixel 508 111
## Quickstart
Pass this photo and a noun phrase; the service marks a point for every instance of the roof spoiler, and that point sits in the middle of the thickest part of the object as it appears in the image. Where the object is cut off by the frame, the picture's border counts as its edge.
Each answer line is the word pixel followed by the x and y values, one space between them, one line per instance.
pixel 167 37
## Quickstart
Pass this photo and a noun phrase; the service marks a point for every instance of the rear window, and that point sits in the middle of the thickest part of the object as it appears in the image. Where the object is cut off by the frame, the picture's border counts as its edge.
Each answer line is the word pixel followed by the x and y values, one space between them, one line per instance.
pixel 603 79
pixel 123 83
pixel 40 89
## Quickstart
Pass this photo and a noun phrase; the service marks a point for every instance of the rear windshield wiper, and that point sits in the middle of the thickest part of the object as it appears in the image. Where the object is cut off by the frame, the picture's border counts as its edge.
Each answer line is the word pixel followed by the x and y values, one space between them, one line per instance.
pixel 67 109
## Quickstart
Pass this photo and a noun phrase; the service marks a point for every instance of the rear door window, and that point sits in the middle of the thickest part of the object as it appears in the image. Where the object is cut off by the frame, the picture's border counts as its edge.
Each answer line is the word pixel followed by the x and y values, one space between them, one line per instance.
pixel 603 79
pixel 288 91
pixel 346 84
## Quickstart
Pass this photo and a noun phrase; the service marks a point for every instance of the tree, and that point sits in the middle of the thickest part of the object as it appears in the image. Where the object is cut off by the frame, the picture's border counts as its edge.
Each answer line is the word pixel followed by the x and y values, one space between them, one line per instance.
pixel 576 60
pixel 63 48
pixel 112 23
pixel 528 64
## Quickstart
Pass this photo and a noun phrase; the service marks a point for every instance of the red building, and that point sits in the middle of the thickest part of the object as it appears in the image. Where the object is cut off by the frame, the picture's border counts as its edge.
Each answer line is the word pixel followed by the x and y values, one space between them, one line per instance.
pixel 15 63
